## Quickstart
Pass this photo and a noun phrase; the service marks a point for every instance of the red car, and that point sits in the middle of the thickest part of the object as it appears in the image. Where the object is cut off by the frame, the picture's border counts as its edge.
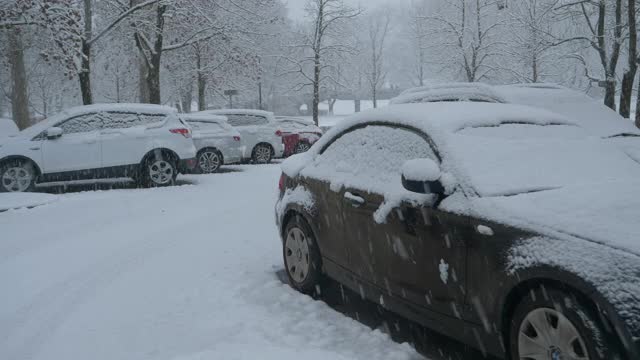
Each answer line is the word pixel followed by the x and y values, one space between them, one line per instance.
pixel 298 134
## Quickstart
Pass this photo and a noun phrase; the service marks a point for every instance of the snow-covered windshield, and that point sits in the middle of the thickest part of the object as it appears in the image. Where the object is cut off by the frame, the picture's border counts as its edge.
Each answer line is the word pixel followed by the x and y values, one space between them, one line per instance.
pixel 518 158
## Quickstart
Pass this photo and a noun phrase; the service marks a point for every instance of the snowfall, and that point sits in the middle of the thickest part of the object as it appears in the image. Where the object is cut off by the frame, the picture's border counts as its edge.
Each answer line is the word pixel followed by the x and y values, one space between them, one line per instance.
pixel 179 273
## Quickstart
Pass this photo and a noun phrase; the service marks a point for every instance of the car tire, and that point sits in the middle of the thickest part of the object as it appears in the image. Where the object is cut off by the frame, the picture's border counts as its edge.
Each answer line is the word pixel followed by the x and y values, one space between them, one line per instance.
pixel 302 147
pixel 302 260
pixel 158 171
pixel 209 161
pixel 553 324
pixel 262 154
pixel 17 176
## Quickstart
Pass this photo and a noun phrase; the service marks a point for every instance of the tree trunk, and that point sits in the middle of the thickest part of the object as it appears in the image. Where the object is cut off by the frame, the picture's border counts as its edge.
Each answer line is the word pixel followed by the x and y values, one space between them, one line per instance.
pixel 143 88
pixel 85 74
pixel 187 99
pixel 19 95
pixel 610 94
pixel 358 105
pixel 85 63
pixel 638 107
pixel 316 90
pixel 202 85
pixel 629 75
pixel 152 78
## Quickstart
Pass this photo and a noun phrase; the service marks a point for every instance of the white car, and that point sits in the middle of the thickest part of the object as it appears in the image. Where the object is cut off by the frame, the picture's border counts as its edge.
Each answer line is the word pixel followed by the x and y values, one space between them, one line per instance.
pixel 216 141
pixel 145 142
pixel 260 132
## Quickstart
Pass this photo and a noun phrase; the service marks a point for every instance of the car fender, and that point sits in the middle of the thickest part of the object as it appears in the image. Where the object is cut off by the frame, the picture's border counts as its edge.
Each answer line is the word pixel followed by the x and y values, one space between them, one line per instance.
pixel 37 163
pixel 556 276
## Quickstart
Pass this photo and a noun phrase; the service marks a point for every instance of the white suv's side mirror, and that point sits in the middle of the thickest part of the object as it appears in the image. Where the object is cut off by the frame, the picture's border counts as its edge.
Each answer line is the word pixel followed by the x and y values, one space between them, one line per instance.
pixel 422 176
pixel 54 133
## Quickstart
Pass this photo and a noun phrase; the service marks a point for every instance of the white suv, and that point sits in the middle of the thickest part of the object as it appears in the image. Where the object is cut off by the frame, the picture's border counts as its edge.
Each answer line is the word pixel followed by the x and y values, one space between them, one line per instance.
pixel 260 132
pixel 145 142
pixel 216 141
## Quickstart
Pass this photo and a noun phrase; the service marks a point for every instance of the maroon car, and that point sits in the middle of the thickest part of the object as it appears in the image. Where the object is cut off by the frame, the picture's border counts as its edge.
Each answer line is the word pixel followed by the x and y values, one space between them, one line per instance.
pixel 508 228
pixel 298 135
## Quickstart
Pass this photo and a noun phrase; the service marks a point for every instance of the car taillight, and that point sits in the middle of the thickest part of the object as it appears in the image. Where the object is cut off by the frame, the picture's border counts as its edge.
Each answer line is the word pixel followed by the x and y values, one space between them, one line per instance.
pixel 281 183
pixel 182 131
pixel 236 138
pixel 278 132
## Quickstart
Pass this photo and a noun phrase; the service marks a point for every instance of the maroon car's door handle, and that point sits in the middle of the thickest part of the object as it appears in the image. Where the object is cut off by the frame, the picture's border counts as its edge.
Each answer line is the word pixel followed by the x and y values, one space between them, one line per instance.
pixel 354 199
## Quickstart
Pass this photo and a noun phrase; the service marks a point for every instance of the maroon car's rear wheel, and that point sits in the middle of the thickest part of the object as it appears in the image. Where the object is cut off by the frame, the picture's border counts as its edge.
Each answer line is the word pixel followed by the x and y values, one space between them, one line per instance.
pixel 302 259
pixel 553 324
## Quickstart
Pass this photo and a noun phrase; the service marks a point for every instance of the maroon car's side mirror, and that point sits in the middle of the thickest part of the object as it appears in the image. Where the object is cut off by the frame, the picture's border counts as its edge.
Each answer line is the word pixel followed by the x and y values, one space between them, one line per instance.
pixel 422 176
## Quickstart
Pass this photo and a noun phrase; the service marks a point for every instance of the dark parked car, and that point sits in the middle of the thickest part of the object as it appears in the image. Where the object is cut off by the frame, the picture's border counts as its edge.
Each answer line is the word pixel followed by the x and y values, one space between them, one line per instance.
pixel 508 228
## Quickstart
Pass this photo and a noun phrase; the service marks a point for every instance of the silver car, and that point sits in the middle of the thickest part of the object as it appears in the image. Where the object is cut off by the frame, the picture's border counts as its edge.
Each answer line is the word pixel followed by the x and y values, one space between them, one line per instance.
pixel 217 142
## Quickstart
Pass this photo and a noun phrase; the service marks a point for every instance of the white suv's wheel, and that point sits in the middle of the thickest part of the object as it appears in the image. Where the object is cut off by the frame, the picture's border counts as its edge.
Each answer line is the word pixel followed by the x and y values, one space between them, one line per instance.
pixel 159 171
pixel 262 154
pixel 209 161
pixel 17 176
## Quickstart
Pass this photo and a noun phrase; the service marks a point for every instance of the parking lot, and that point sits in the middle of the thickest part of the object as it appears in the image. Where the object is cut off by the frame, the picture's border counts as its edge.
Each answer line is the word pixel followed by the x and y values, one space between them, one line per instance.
pixel 185 272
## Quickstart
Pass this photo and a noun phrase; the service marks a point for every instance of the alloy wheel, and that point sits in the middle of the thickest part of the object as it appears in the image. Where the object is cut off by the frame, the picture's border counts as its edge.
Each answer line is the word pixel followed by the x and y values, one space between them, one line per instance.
pixel 263 154
pixel 546 334
pixel 302 148
pixel 16 179
pixel 209 162
pixel 161 172
pixel 297 255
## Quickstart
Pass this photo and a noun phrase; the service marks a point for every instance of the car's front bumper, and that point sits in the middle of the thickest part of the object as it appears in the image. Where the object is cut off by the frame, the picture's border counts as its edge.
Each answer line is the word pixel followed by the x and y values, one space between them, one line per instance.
pixel 186 165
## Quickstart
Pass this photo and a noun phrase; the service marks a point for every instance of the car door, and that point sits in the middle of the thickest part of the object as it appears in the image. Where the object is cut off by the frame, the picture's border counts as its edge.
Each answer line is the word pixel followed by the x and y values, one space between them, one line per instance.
pixel 407 249
pixel 125 139
pixel 77 149
pixel 249 127
pixel 421 255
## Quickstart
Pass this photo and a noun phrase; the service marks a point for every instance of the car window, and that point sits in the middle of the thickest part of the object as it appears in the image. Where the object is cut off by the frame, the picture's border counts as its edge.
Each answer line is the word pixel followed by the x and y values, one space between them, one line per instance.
pixel 81 124
pixel 370 158
pixel 123 120
pixel 246 120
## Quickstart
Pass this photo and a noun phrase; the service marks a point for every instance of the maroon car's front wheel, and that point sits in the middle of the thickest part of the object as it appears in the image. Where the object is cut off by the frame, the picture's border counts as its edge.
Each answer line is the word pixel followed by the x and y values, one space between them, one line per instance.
pixel 554 324
pixel 302 260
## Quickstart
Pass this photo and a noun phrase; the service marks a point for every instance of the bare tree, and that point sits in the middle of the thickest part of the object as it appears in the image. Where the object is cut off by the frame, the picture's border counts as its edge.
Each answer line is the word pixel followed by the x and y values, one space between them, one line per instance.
pixel 465 33
pixel 378 25
pixel 632 63
pixel 531 37
pixel 19 95
pixel 605 33
pixel 326 38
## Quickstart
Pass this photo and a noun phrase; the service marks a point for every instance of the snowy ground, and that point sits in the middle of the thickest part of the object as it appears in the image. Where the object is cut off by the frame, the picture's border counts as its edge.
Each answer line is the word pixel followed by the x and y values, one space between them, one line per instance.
pixel 180 273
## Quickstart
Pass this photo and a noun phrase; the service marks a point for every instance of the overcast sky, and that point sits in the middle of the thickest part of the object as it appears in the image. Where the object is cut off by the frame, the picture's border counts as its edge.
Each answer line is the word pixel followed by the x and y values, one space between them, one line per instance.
pixel 297 6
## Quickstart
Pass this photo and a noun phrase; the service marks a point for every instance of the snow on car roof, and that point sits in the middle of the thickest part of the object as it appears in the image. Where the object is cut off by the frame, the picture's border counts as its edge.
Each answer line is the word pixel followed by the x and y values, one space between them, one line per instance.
pixel 448 85
pixel 587 112
pixel 79 110
pixel 296 119
pixel 204 118
pixel 239 111
pixel 472 93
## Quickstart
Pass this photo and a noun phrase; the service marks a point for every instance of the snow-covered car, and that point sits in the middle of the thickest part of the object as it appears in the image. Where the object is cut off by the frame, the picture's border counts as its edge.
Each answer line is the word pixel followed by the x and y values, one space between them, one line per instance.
pixel 260 132
pixel 146 142
pixel 7 128
pixel 217 142
pixel 509 228
pixel 298 134
pixel 449 92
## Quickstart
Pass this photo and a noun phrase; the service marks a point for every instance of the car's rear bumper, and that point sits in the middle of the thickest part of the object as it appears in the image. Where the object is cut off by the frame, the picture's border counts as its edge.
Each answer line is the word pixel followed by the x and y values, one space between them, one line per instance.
pixel 186 165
